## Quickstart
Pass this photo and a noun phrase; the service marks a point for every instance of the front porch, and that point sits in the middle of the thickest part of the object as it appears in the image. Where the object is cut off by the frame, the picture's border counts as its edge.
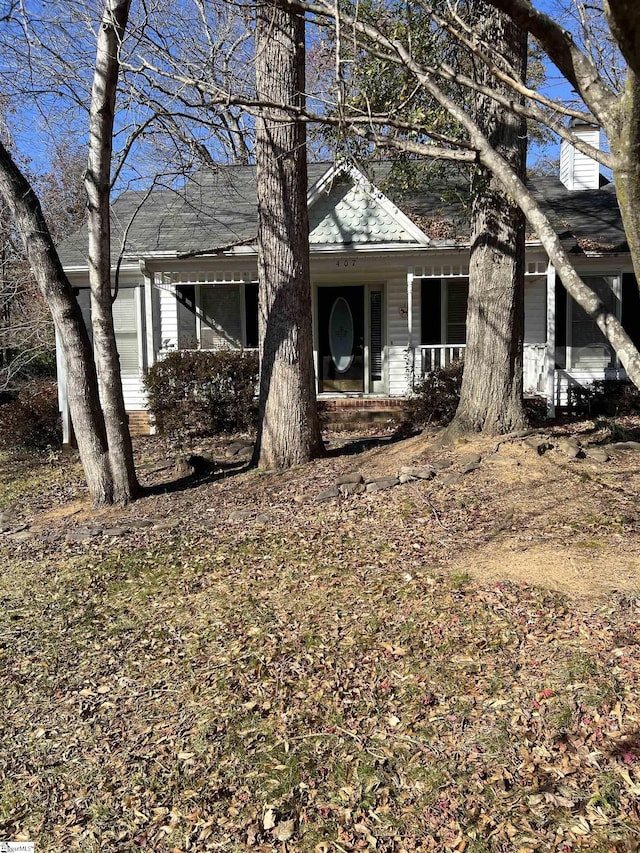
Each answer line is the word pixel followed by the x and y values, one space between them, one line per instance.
pixel 427 358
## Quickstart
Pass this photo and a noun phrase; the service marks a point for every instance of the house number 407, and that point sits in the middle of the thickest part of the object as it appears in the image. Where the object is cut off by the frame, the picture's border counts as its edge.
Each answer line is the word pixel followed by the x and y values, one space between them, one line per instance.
pixel 346 262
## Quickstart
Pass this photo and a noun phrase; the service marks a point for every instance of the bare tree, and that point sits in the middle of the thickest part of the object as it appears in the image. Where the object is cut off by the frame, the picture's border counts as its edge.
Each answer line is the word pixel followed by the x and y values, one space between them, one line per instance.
pixel 105 450
pixel 98 187
pixel 289 429
pixel 55 288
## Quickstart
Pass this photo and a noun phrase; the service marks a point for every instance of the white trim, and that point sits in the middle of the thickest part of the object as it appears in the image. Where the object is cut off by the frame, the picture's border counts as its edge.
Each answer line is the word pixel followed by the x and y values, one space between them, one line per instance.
pixel 63 400
pixel 140 327
pixel 551 341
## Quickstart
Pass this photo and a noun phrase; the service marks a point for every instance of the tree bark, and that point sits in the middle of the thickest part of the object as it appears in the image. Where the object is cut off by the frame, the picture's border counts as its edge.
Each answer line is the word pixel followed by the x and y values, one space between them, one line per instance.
pixel 82 383
pixel 624 141
pixel 491 391
pixel 289 429
pixel 98 186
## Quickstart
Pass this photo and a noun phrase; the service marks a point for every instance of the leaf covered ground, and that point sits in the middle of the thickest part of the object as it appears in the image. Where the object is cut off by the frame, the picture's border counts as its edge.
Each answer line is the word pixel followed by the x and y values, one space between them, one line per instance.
pixel 371 674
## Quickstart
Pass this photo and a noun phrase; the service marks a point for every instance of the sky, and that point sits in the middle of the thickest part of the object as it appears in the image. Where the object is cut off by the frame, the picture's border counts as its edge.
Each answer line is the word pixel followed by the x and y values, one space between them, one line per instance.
pixel 52 116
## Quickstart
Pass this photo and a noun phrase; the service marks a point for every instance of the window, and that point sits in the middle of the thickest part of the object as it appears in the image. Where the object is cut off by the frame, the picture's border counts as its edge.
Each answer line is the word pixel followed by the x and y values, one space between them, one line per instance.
pixel 228 316
pixel 443 311
pixel 590 349
pixel 456 317
pixel 375 347
pixel 125 323
pixel 221 327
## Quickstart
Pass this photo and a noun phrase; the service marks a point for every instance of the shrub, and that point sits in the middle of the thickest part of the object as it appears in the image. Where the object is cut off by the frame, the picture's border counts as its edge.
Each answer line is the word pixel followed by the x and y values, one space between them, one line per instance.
pixel 605 397
pixel 435 398
pixel 203 392
pixel 31 420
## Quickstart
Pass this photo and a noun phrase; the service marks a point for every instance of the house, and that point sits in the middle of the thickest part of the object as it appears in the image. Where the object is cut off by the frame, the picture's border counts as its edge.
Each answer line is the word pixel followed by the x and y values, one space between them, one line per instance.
pixel 393 272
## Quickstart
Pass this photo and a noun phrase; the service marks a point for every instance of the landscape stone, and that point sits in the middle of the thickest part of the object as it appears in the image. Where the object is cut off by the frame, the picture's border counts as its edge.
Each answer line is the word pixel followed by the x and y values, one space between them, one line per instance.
pixel 450 479
pixel 238 447
pixel 155 467
pixel 470 466
pixel 81 534
pixel 23 536
pixel 327 495
pixel 348 479
pixel 382 483
pixel 406 478
pixel 182 468
pixel 115 531
pixel 263 518
pixel 441 464
pixel 419 472
pixel 625 445
pixel 540 445
pixel 240 514
pixel 570 447
pixel 167 524
pixel 140 522
pixel 470 459
pixel 347 489
pixel 598 454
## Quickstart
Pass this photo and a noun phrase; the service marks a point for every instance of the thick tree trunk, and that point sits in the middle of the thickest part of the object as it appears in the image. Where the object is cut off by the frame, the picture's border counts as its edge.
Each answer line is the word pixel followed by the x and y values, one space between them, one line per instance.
pixel 491 392
pixel 82 384
pixel 624 140
pixel 98 186
pixel 289 429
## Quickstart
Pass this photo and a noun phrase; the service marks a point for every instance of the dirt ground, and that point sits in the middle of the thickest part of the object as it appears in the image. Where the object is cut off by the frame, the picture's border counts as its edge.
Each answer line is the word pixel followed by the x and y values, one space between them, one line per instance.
pixel 569 524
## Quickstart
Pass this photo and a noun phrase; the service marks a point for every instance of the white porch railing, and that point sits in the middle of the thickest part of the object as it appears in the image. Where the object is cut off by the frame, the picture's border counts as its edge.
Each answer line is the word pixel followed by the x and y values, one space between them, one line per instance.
pixel 534 368
pixel 434 357
pixel 437 356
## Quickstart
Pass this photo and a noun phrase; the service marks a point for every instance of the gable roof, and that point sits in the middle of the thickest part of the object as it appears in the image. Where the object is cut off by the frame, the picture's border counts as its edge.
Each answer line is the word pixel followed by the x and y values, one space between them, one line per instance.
pixel 217 210
pixel 346 208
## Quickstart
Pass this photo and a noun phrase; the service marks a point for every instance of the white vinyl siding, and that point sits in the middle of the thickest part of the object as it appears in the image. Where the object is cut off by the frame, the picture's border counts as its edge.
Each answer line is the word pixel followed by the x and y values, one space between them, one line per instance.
pixel 168 305
pixel 398 334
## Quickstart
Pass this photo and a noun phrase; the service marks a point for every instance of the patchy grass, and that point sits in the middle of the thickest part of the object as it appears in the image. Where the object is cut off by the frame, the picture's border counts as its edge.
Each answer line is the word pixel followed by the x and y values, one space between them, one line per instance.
pixel 317 684
pixel 24 475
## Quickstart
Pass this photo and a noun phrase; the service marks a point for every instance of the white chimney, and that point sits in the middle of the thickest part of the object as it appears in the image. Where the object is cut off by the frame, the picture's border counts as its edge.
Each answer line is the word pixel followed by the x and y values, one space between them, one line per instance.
pixel 577 171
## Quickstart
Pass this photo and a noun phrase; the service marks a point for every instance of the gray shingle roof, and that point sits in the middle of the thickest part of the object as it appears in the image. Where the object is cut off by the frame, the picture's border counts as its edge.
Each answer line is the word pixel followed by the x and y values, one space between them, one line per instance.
pixel 217 209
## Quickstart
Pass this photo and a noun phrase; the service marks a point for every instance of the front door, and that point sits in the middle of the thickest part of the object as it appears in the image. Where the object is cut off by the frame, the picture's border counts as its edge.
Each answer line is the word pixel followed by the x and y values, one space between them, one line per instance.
pixel 341 339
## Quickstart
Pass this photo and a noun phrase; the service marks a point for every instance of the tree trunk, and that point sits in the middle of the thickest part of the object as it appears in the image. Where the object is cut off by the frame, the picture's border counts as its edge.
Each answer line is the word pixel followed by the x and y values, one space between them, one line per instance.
pixel 289 429
pixel 491 392
pixel 82 383
pixel 98 186
pixel 624 140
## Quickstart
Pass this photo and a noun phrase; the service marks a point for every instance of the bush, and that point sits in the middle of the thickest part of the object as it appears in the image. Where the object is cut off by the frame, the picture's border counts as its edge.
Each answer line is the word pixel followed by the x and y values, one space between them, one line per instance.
pixel 607 397
pixel 435 398
pixel 31 421
pixel 203 393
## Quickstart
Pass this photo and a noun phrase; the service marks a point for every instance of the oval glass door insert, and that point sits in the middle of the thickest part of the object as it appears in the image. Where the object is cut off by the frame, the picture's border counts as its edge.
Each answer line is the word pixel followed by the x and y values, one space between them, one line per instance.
pixel 341 335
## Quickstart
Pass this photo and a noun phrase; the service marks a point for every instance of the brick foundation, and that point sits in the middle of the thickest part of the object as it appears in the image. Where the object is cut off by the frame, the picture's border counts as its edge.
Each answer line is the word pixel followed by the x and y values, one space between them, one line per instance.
pixel 139 423
pixel 382 404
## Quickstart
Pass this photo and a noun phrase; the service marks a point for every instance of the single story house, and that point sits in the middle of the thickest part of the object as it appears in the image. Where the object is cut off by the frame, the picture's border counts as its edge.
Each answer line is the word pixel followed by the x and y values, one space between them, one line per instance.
pixel 389 269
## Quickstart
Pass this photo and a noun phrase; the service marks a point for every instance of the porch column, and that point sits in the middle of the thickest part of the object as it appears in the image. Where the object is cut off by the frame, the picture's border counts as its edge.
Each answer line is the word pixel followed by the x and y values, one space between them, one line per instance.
pixel 550 357
pixel 410 348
